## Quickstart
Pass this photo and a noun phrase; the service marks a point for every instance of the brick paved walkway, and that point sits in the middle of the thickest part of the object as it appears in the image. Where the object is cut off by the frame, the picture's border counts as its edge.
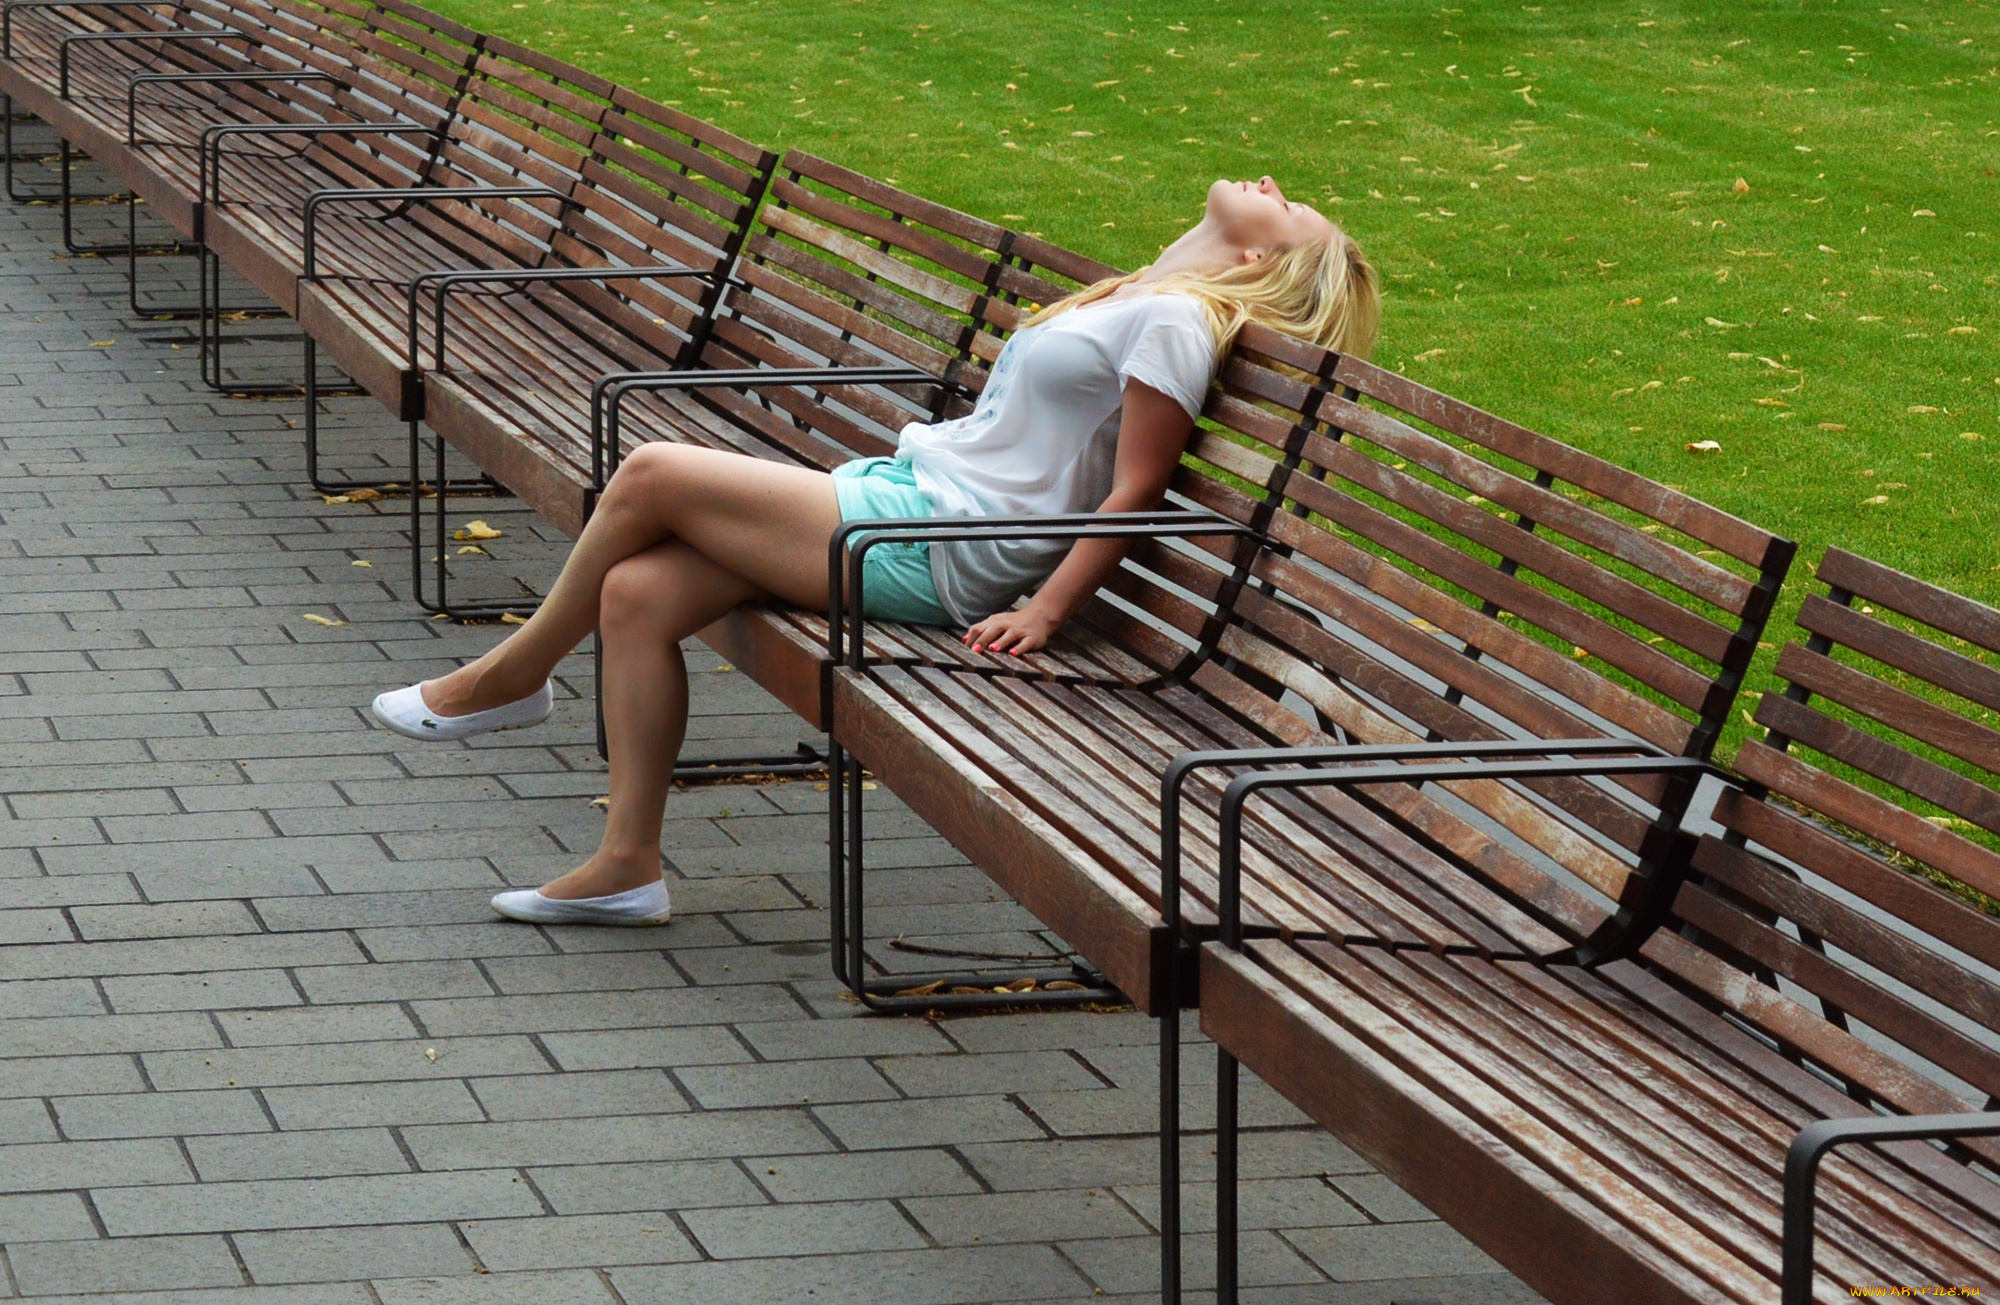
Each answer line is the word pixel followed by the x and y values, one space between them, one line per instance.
pixel 261 1040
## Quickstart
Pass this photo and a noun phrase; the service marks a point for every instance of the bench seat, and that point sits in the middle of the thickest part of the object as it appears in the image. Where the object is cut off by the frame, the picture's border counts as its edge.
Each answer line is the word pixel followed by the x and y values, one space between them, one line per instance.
pixel 1621 1132
pixel 1599 1132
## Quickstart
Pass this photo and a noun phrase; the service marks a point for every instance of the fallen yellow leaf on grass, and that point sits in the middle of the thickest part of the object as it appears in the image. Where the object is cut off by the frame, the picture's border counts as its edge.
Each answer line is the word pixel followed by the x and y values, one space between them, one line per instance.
pixel 508 618
pixel 1963 330
pixel 1429 354
pixel 1771 403
pixel 1741 186
pixel 1717 321
pixel 1920 407
pixel 1921 212
pixel 1970 435
pixel 476 530
pixel 317 619
pixel 1579 652
pixel 1876 501
pixel 1704 446
pixel 1831 425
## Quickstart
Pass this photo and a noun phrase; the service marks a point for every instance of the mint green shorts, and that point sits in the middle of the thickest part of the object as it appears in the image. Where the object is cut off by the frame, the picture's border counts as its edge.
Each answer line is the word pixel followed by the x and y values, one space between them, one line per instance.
pixel 896 583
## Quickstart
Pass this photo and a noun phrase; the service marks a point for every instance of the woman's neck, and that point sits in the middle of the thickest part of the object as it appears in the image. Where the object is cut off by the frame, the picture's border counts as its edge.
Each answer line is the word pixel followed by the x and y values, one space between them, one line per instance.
pixel 1201 251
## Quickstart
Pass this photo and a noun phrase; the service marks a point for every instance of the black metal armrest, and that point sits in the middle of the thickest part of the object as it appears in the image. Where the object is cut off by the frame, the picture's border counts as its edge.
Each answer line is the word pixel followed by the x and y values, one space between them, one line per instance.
pixel 155 79
pixel 448 281
pixel 1802 1173
pixel 607 395
pixel 844 601
pixel 405 195
pixel 114 38
pixel 210 159
pixel 1173 780
pixel 7 14
pixel 1618 936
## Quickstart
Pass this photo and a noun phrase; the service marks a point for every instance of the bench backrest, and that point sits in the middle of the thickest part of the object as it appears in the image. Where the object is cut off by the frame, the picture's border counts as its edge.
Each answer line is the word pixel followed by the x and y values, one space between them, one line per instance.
pixel 845 270
pixel 1436 573
pixel 1877 781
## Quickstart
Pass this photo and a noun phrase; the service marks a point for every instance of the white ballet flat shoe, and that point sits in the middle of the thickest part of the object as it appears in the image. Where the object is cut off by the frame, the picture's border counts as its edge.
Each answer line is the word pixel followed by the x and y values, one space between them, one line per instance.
pixel 635 906
pixel 403 711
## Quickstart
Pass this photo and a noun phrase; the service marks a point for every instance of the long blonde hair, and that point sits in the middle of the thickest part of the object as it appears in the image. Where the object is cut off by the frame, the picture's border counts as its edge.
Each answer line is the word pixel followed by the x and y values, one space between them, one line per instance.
pixel 1324 292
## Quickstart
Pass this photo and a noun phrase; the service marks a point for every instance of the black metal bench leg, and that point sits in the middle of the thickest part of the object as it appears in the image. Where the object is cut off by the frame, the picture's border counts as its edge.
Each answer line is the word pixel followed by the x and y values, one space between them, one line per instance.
pixel 482 610
pixel 847 880
pixel 68 200
pixel 1170 1149
pixel 314 393
pixel 175 248
pixel 210 314
pixel 1227 1166
pixel 11 156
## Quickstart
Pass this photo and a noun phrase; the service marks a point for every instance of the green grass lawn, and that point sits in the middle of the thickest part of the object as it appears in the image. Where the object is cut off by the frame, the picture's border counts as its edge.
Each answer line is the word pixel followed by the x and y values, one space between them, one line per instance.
pixel 1630 226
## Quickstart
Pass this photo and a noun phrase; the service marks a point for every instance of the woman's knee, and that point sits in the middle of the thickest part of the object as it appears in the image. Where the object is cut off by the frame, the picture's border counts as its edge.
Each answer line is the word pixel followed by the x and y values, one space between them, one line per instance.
pixel 630 594
pixel 648 471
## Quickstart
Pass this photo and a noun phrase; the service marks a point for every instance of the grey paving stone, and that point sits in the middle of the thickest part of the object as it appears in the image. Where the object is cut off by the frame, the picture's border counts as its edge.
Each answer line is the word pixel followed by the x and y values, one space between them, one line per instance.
pixel 722 1087
pixel 536 1287
pixel 45 1217
pixel 124 1264
pixel 862 1175
pixel 647 1185
pixel 40 997
pixel 645 1047
pixel 353 1105
pixel 1026 1217
pixel 580 1241
pixel 105 1033
pixel 873 1125
pixel 334 1254
pixel 203 990
pixel 160 1114
pixel 930 1277
pixel 954 1076
pixel 309 1202
pixel 608 971
pixel 296 1155
pixel 639 1137
pixel 51 1166
pixel 318 1025
pixel 739 1232
pixel 46 1076
pixel 1399 1250
pixel 1132 1264
pixel 24 1119
pixel 579 1095
pixel 645 1008
pixel 392 981
pixel 354 1062
pixel 1260 1203
pixel 846 1037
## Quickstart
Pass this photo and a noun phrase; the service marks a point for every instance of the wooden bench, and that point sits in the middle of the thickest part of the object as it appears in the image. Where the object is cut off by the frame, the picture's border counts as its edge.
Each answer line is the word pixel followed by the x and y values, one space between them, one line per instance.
pixel 278 98
pixel 1648 1129
pixel 139 87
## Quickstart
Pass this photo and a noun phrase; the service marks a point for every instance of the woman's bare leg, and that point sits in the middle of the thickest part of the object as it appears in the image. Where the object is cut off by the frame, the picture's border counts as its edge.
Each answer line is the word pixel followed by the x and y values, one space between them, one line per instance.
pixel 650 602
pixel 763 521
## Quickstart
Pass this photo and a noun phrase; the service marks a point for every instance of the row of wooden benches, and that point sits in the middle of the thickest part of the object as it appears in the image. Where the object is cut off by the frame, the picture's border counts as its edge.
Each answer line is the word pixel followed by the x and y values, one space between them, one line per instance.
pixel 1494 920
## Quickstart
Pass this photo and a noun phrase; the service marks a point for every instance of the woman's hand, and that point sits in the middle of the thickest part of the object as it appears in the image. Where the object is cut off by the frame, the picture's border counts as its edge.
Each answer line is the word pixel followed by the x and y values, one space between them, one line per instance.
pixel 1013 633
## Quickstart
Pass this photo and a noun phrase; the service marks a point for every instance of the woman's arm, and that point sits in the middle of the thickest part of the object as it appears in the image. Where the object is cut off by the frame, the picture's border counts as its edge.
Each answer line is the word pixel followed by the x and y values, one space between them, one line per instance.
pixel 1152 433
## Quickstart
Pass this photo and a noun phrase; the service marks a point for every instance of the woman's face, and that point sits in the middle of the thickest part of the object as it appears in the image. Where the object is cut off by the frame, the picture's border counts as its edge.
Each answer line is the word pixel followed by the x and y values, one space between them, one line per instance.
pixel 1256 218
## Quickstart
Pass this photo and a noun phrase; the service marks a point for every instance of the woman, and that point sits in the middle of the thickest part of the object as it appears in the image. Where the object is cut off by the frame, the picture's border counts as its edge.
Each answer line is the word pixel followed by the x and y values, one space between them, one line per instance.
pixel 1088 408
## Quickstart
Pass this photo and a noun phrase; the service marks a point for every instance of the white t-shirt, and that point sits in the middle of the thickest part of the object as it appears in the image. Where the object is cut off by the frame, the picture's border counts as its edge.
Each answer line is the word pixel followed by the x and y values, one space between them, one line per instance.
pixel 1044 436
